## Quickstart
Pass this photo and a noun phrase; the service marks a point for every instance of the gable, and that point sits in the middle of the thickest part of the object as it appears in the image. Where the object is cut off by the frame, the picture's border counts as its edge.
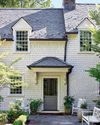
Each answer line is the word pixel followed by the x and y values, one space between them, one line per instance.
pixel 21 25
pixel 85 24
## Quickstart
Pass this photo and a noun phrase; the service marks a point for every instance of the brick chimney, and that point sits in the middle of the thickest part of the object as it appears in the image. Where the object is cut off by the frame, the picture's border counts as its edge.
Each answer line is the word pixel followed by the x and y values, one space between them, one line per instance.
pixel 69 4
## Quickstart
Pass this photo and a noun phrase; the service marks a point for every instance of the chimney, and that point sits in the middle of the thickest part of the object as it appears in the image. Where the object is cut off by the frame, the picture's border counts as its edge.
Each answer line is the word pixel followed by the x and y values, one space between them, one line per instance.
pixel 69 4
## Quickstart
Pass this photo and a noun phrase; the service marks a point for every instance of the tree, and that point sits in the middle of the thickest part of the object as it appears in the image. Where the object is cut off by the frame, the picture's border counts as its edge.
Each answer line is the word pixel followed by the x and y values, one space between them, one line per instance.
pixel 25 3
pixel 8 73
pixel 95 71
pixel 95 15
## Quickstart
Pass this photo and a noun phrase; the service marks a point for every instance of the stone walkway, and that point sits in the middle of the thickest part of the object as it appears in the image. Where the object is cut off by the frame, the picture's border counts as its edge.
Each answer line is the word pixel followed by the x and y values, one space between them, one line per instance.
pixel 53 120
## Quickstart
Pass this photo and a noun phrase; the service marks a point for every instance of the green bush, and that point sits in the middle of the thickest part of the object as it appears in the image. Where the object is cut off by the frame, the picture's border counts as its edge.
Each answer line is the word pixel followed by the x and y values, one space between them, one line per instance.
pixel 98 103
pixel 68 101
pixel 35 104
pixel 84 105
pixel 1 99
pixel 3 117
pixel 14 112
pixel 18 122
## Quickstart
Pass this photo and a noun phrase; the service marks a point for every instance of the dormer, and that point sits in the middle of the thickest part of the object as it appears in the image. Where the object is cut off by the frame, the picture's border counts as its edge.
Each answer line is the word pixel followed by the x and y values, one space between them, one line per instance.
pixel 85 24
pixel 21 32
pixel 85 36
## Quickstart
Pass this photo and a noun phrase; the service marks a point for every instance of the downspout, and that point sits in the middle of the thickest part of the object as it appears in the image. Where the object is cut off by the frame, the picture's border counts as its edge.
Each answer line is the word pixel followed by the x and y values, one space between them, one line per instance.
pixel 65 49
pixel 67 80
pixel 70 70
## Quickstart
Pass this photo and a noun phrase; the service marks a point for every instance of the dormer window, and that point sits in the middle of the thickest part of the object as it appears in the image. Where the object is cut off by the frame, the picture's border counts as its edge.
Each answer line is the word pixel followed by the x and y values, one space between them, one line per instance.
pixel 21 33
pixel 22 41
pixel 85 40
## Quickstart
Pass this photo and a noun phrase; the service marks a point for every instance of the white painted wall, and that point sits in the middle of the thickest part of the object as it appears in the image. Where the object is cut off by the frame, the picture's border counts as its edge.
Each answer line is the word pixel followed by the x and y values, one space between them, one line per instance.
pixel 81 84
pixel 39 49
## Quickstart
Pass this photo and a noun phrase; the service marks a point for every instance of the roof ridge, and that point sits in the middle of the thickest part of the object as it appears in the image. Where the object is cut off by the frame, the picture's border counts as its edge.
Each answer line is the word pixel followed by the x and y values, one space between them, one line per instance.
pixel 86 3
pixel 31 8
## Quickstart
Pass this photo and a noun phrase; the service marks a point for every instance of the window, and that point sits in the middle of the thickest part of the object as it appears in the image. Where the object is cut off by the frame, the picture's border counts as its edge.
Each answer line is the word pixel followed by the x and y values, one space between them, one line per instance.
pixel 85 41
pixel 16 87
pixel 22 41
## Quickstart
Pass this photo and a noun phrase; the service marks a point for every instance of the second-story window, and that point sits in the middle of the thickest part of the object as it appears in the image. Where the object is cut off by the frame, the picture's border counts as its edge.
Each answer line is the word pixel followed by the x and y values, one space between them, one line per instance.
pixel 85 40
pixel 22 41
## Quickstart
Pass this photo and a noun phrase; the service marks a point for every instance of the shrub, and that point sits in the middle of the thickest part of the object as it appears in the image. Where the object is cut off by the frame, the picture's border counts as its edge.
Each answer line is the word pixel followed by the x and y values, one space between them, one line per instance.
pixel 68 100
pixel 18 122
pixel 14 112
pixel 35 104
pixel 84 105
pixel 3 118
pixel 98 103
pixel 1 99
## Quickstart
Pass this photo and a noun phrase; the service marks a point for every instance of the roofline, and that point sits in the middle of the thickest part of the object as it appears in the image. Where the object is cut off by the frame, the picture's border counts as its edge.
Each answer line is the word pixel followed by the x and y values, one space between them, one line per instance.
pixel 18 21
pixel 46 8
pixel 69 66
pixel 31 39
pixel 72 32
pixel 50 39
pixel 31 9
pixel 84 20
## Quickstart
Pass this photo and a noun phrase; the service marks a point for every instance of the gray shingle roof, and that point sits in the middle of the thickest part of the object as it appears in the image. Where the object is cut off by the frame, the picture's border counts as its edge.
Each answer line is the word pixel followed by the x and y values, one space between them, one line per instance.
pixel 75 17
pixel 45 23
pixel 50 62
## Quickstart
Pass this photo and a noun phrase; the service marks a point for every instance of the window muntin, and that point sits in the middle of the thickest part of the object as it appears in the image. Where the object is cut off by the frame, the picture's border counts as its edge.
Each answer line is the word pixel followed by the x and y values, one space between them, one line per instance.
pixel 85 41
pixel 22 41
pixel 16 86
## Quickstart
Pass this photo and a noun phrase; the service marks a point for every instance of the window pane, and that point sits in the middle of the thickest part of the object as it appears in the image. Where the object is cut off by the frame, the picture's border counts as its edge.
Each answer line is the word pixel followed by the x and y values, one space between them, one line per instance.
pixel 85 41
pixel 16 87
pixel 21 40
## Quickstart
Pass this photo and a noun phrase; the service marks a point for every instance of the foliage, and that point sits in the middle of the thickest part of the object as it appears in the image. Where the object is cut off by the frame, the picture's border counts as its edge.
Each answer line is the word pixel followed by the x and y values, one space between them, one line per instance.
pixel 25 3
pixel 3 117
pixel 8 74
pixel 68 101
pixel 35 104
pixel 95 72
pixel 15 111
pixel 98 103
pixel 95 15
pixel 1 99
pixel 84 105
pixel 18 122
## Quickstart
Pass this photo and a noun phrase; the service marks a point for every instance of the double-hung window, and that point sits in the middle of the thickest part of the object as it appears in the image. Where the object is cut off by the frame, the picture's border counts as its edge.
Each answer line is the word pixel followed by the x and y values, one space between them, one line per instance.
pixel 16 85
pixel 22 41
pixel 85 40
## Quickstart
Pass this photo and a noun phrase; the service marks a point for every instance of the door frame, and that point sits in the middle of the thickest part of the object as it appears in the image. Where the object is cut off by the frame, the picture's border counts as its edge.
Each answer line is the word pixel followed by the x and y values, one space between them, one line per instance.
pixel 58 88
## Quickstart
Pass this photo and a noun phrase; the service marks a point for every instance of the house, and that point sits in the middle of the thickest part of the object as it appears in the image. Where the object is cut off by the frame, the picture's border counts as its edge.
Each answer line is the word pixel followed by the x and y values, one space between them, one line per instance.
pixel 54 59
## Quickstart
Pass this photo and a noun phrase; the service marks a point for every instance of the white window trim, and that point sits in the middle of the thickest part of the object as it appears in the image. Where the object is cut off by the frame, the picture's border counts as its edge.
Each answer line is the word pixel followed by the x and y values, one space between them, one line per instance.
pixel 14 38
pixel 83 52
pixel 22 94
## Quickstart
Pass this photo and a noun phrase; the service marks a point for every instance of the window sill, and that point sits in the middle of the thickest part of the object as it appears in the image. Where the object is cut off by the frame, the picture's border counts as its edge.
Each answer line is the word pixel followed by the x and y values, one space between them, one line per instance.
pixel 21 52
pixel 86 52
pixel 15 95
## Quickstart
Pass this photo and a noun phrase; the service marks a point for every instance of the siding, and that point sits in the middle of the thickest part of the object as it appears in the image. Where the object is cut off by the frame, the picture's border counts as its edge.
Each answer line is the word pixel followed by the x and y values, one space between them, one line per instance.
pixel 81 84
pixel 39 49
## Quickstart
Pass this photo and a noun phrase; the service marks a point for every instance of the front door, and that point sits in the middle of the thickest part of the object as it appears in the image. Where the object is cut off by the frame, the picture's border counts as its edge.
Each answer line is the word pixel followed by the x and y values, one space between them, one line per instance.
pixel 50 94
